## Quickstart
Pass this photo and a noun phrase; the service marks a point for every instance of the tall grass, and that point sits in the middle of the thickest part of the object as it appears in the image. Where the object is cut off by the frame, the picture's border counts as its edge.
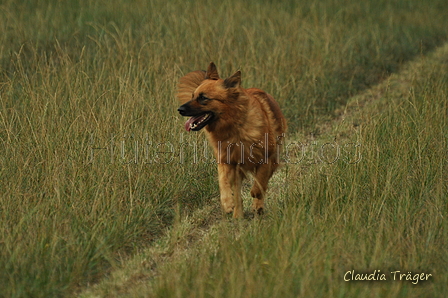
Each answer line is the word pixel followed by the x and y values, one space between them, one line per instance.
pixel 386 212
pixel 87 106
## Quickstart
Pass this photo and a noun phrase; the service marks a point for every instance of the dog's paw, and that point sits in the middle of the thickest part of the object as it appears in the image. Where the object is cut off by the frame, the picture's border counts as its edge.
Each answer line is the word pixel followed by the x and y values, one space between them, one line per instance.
pixel 258 206
pixel 228 207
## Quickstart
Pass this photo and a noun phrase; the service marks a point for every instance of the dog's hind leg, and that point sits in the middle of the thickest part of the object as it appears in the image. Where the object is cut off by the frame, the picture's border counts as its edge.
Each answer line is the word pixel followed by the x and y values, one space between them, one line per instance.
pixel 258 191
pixel 237 181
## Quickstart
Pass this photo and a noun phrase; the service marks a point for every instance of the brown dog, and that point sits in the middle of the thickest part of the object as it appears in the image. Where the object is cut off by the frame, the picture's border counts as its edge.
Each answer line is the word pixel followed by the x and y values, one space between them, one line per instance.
pixel 244 126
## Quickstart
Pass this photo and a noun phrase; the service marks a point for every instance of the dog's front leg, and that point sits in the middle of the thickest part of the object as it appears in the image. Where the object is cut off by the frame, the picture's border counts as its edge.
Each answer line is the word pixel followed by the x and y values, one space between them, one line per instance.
pixel 230 189
pixel 225 188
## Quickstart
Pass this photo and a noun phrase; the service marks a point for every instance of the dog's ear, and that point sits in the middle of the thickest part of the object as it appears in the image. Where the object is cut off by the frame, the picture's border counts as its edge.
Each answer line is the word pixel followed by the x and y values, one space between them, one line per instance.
pixel 233 81
pixel 212 72
pixel 189 83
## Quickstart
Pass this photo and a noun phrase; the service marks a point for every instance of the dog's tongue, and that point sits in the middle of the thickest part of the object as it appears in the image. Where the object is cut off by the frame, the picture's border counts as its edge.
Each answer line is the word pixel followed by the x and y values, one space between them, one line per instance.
pixel 190 121
pixel 194 119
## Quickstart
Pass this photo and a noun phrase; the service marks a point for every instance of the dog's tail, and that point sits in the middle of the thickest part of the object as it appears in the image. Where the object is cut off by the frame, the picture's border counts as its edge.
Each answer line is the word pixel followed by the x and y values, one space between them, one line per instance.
pixel 189 83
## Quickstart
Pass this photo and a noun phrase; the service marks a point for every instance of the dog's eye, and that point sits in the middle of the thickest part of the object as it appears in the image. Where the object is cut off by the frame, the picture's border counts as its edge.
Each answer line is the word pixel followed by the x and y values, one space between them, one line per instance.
pixel 202 99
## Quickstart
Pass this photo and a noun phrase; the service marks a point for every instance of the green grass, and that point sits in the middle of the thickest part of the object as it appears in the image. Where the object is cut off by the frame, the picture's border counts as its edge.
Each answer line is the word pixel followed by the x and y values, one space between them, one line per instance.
pixel 386 212
pixel 77 76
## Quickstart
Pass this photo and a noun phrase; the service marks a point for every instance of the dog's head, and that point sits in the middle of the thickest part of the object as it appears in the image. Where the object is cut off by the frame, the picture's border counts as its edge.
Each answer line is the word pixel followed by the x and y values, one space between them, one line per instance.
pixel 210 99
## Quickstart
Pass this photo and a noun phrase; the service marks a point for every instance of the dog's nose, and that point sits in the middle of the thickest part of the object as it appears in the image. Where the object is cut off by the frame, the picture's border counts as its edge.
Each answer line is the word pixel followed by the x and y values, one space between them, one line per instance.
pixel 182 110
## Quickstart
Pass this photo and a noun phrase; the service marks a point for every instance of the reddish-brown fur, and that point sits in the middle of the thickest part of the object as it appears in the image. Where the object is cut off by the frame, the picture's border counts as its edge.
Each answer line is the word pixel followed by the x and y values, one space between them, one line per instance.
pixel 246 132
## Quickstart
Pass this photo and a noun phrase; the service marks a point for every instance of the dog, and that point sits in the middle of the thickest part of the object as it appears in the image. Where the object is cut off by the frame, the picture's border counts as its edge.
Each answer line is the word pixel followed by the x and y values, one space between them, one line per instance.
pixel 245 127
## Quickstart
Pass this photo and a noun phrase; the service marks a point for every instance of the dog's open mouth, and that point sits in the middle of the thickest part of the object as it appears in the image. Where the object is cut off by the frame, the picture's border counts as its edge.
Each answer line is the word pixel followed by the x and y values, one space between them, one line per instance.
pixel 196 123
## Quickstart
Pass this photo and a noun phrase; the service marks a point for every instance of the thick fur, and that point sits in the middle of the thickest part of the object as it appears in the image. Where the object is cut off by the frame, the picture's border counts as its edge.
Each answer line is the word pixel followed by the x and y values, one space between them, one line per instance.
pixel 246 131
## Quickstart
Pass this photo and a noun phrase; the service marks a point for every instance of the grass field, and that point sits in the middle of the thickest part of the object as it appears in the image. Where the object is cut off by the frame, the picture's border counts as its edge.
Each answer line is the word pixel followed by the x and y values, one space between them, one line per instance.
pixel 104 195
